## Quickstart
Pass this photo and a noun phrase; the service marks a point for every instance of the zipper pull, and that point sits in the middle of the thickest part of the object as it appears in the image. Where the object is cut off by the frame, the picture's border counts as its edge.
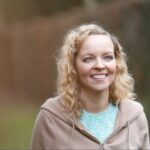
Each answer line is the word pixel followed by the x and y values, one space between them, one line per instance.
pixel 101 147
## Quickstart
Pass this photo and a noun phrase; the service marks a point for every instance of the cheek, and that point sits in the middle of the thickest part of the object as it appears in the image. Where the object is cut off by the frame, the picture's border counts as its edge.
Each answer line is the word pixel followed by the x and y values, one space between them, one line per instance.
pixel 83 70
pixel 112 67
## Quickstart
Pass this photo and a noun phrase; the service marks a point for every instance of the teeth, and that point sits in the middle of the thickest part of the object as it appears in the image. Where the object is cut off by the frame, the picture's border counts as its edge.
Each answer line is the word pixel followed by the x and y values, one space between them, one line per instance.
pixel 99 76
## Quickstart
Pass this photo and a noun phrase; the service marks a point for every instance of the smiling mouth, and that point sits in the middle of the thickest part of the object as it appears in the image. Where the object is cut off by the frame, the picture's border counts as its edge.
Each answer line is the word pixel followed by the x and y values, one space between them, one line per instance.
pixel 99 76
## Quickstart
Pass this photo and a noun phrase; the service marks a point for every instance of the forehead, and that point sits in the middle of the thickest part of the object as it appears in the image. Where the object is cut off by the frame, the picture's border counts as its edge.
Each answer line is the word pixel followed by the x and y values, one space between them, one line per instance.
pixel 97 43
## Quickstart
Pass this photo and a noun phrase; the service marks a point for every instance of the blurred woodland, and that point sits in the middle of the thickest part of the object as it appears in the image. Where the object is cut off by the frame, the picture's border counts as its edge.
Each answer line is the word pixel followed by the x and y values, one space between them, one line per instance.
pixel 31 33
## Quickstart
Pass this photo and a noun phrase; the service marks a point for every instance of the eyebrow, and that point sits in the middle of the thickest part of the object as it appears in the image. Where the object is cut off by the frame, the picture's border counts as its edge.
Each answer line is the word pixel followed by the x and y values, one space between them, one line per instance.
pixel 109 53
pixel 91 54
pixel 87 54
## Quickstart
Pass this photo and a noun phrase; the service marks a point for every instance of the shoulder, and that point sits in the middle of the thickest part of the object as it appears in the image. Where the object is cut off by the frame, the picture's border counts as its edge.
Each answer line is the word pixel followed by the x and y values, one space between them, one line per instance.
pixel 50 102
pixel 49 110
pixel 131 103
pixel 130 106
pixel 129 110
pixel 53 105
pixel 48 106
pixel 44 124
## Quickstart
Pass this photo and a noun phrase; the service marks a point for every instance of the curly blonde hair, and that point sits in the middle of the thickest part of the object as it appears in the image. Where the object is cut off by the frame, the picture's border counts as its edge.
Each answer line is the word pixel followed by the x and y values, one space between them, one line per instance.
pixel 68 82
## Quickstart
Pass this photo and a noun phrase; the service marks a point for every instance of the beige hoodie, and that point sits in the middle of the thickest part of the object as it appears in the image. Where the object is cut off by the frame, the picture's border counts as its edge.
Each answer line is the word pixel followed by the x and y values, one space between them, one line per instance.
pixel 57 129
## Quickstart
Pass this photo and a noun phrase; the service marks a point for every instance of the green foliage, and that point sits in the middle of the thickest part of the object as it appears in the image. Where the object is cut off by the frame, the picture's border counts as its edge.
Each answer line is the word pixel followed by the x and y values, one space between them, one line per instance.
pixel 16 127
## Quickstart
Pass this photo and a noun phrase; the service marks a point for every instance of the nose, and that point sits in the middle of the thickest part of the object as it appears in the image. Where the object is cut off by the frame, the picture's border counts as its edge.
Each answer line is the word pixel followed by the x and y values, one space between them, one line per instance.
pixel 99 64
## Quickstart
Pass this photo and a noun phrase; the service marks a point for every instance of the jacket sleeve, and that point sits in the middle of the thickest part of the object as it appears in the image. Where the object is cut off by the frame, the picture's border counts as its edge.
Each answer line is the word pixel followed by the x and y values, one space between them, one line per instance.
pixel 41 139
pixel 145 128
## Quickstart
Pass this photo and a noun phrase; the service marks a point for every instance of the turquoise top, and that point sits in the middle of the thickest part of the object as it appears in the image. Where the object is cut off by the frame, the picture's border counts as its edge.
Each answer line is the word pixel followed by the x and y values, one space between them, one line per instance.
pixel 101 124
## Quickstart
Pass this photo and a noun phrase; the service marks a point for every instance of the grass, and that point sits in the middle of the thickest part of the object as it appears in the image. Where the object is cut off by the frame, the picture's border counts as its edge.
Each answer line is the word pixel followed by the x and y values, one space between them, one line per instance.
pixel 16 126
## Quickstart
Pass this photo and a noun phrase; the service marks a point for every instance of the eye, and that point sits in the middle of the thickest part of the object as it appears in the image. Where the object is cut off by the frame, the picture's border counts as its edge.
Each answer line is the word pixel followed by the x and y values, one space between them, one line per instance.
pixel 108 57
pixel 88 59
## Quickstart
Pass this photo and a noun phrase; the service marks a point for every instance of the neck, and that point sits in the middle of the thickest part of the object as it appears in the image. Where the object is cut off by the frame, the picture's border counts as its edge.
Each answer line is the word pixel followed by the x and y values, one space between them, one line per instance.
pixel 94 101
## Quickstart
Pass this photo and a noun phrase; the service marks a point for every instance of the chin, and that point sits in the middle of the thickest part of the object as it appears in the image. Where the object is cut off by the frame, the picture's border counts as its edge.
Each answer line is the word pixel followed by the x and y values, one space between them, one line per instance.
pixel 100 89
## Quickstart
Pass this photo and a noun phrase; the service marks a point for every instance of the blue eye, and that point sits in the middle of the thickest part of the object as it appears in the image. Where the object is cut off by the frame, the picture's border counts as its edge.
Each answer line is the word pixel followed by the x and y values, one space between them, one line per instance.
pixel 109 58
pixel 88 59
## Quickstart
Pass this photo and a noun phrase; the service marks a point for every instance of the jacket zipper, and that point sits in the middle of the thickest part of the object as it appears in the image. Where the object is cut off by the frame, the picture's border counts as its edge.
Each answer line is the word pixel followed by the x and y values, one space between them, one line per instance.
pixel 118 129
pixel 89 135
pixel 101 147
pixel 107 139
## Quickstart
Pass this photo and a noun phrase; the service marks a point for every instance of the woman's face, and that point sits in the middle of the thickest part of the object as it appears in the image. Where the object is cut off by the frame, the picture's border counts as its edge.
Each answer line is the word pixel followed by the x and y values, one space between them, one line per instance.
pixel 96 63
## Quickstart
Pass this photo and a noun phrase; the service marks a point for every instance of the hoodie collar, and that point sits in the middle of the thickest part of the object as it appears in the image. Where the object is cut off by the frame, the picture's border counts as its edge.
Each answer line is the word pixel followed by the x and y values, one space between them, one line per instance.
pixel 128 111
pixel 55 106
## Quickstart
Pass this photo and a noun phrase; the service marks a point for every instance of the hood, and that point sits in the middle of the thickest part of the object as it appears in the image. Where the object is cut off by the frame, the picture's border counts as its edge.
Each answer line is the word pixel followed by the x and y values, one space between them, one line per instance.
pixel 55 106
pixel 128 111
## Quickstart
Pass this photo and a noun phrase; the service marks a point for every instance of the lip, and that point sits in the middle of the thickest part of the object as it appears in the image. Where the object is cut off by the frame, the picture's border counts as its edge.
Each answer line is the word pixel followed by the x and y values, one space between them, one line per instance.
pixel 99 74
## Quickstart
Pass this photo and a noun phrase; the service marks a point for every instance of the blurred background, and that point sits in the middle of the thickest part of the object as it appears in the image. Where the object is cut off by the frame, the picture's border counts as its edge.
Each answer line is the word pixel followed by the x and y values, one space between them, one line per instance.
pixel 32 31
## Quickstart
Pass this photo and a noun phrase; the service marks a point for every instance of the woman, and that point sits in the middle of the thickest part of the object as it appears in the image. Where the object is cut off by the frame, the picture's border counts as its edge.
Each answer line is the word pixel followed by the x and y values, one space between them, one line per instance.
pixel 94 108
